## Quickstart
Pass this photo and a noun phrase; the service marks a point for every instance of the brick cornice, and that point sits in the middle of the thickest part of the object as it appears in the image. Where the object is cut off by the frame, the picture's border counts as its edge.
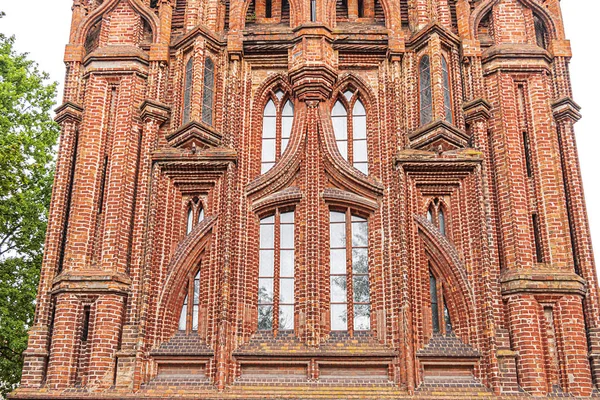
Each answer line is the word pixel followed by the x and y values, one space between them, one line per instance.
pixel 510 57
pixel 91 281
pixel 437 130
pixel 154 110
pixel 478 109
pixel 566 109
pixel 541 281
pixel 196 133
pixel 70 112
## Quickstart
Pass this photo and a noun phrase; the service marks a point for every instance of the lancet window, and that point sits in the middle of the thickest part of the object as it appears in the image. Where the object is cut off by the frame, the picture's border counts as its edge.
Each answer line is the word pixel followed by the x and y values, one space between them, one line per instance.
pixel 349 118
pixel 188 319
pixel 440 317
pixel 187 91
pixel 276 272
pixel 278 118
pixel 208 93
pixel 350 303
pixel 437 216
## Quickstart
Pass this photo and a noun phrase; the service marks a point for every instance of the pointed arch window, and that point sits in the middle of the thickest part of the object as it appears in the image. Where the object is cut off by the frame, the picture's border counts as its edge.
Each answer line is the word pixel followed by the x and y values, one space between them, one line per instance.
pixel 540 32
pixel 350 303
pixel 187 92
pixel 447 93
pixel 350 130
pixel 188 319
pixel 208 92
pixel 190 220
pixel 436 214
pixel 276 272
pixel 425 101
pixel 195 214
pixel 278 118
pixel 440 316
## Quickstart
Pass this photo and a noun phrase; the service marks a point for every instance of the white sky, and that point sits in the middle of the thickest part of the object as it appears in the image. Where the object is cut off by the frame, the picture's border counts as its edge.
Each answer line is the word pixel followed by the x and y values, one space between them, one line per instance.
pixel 42 29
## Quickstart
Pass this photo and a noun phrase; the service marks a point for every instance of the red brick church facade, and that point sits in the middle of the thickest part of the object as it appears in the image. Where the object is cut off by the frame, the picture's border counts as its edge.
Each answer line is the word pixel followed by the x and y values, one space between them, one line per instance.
pixel 316 199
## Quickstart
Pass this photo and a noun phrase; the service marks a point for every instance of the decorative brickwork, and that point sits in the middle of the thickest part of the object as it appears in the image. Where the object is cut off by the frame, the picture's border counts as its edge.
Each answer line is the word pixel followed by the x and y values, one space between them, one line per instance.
pixel 439 133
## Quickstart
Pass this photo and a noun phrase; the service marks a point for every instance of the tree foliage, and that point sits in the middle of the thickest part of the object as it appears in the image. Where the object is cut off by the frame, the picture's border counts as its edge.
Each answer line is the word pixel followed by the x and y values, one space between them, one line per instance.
pixel 27 151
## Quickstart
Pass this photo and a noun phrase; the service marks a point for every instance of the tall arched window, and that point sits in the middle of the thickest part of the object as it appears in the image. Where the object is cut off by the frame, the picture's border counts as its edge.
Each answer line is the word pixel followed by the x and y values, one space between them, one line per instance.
pixel 350 303
pixel 278 118
pixel 190 220
pixel 276 273
pixel 351 130
pixel 200 213
pixel 447 94
pixel 436 215
pixel 187 92
pixel 188 319
pixel 440 316
pixel 540 32
pixel 208 92
pixel 425 101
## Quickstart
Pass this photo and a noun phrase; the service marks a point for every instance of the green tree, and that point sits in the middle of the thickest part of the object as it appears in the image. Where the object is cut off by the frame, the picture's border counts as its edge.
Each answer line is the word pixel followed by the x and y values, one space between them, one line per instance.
pixel 27 151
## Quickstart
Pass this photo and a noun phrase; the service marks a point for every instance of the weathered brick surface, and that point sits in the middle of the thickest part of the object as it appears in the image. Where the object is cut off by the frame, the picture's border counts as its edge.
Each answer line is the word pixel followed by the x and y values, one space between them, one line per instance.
pixel 514 267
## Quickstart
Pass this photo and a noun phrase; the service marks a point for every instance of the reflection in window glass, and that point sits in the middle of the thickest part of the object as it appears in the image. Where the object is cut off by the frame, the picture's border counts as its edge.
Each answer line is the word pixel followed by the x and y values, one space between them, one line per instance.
pixel 187 92
pixel 425 91
pixel 208 93
pixel 447 98
pixel 349 275
pixel 276 280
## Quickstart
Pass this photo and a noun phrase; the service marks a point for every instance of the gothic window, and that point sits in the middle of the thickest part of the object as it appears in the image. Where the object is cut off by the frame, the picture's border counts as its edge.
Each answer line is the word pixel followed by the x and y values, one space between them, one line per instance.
pixel 208 93
pixel 313 10
pixel 187 93
pixel 436 214
pixel 188 319
pixel 440 317
pixel 447 96
pixel 190 220
pixel 278 118
pixel 350 304
pixel 276 272
pixel 425 102
pixel 195 214
pixel 350 130
pixel 540 32
pixel 200 213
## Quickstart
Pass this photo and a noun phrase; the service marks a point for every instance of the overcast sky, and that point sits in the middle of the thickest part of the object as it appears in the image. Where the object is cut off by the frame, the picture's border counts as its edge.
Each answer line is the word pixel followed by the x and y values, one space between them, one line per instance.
pixel 41 28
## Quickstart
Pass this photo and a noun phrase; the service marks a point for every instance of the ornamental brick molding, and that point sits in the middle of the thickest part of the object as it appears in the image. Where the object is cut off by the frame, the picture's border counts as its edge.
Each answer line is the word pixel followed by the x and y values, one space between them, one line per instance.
pixel 363 199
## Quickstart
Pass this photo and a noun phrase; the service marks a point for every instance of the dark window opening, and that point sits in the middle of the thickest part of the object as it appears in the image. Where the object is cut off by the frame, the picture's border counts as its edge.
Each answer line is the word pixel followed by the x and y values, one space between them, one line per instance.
pixel 285 12
pixel 313 10
pixel 537 237
pixel 153 3
pixel 86 324
pixel 435 320
pixel 404 13
pixel 268 8
pixel 527 150
pixel 102 185
pixel 209 88
pixel 341 10
pixel 361 8
pixel 540 32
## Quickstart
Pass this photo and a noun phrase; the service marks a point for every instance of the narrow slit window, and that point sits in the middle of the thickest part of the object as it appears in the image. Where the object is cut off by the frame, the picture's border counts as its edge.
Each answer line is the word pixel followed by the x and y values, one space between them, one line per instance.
pixel 435 313
pixel 447 93
pixel 190 220
pixel 442 221
pixel 425 101
pixel 190 310
pixel 187 93
pixel 539 255
pixel 200 213
pixel 209 89
pixel 527 151
pixel 85 328
pixel 313 10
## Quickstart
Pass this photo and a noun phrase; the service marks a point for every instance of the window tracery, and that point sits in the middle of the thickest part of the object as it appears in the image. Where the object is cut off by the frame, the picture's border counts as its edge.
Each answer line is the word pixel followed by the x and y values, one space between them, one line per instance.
pixel 436 214
pixel 350 129
pixel 278 118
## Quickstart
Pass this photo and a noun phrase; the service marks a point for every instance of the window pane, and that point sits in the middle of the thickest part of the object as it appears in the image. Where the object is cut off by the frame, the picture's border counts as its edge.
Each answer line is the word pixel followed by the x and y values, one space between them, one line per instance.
pixel 266 167
pixel 360 151
pixel 267 239
pixel 362 317
pixel 266 263
pixel 268 150
pixel 197 289
pixel 337 261
pixel 269 127
pixel 183 317
pixel 338 289
pixel 265 318
pixel 360 288
pixel 360 233
pixel 270 109
pixel 287 263
pixel 335 216
pixel 279 93
pixel 287 218
pixel 339 317
pixel 195 318
pixel 362 167
pixel 338 109
pixel 348 94
pixel 201 214
pixel 337 236
pixel 359 109
pixel 360 261
pixel 288 109
pixel 286 127
pixel 284 145
pixel 442 221
pixel 286 318
pixel 343 149
pixel 287 236
pixel 340 127
pixel 286 291
pixel 265 291
pixel 359 127
pixel 190 220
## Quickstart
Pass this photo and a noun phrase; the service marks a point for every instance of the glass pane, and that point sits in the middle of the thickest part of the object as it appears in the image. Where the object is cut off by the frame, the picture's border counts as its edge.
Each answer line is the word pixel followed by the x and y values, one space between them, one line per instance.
pixel 288 109
pixel 442 221
pixel 348 94
pixel 430 215
pixel 265 291
pixel 286 127
pixel 195 318
pixel 279 93
pixel 266 263
pixel 196 292
pixel 360 151
pixel 447 320
pixel 270 109
pixel 360 261
pixel 338 109
pixel 284 145
pixel 362 317
pixel 268 150
pixel 266 167
pixel 426 115
pixel 287 263
pixel 287 236
pixel 190 221
pixel 268 220
pixel 338 289
pixel 265 318
pixel 340 127
pixel 343 149
pixel 362 167
pixel 286 291
pixel 269 128
pixel 338 261
pixel 359 128
pixel 183 318
pixel 287 218
pixel 360 288
pixel 286 318
pixel 359 109
pixel 339 317
pixel 360 234
pixel 337 235
pixel 207 108
pixel 335 216
pixel 267 239
pixel 201 214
